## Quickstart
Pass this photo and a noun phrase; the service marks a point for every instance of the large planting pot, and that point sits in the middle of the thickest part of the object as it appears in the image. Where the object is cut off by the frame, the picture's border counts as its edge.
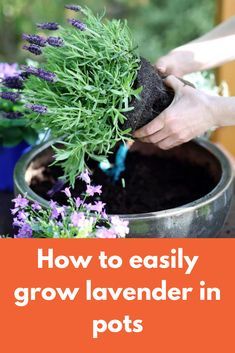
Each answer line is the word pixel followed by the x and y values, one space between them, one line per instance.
pixel 201 218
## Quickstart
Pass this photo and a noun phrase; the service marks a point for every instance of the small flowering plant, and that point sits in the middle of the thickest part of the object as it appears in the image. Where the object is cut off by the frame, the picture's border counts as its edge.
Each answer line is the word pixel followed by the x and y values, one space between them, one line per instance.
pixel 80 218
pixel 84 87
pixel 13 126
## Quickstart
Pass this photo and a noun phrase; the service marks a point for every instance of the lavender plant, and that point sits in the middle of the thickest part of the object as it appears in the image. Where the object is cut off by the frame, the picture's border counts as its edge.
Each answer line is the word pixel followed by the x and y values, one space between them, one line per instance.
pixel 81 218
pixel 84 88
pixel 13 126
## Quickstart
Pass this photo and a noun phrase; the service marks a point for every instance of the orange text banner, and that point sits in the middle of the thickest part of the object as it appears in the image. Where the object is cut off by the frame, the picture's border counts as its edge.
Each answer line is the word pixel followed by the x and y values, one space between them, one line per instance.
pixel 125 295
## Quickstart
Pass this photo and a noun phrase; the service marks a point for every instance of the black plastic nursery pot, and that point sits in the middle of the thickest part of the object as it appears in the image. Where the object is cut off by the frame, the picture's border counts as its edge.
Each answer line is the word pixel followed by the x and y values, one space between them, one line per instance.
pixel 184 192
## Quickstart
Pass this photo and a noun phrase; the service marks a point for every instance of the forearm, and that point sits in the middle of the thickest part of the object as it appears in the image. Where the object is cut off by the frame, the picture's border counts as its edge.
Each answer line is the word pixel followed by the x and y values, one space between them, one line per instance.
pixel 224 110
pixel 214 48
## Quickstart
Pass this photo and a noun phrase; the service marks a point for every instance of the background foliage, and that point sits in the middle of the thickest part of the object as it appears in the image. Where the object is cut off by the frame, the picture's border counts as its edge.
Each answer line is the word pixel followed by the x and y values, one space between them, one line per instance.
pixel 158 25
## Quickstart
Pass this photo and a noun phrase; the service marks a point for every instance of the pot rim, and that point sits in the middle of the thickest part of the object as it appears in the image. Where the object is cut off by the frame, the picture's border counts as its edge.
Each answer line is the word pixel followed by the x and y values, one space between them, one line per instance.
pixel 225 182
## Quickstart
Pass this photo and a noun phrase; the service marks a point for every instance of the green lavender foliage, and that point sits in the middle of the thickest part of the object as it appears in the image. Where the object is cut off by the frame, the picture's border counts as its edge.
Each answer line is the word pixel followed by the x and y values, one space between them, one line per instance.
pixel 95 72
pixel 14 131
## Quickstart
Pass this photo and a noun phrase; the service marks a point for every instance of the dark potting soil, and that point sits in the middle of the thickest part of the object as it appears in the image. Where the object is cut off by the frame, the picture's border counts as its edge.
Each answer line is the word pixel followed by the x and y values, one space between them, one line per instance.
pixel 154 98
pixel 152 183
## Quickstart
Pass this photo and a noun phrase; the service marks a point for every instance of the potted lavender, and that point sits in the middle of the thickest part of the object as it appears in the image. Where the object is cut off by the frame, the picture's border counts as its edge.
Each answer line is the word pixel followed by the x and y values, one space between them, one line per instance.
pixel 92 91
pixel 15 135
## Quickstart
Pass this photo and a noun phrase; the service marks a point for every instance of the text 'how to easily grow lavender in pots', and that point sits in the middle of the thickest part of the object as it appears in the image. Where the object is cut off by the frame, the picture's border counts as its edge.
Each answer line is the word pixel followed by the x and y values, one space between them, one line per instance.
pixel 82 217
pixel 84 87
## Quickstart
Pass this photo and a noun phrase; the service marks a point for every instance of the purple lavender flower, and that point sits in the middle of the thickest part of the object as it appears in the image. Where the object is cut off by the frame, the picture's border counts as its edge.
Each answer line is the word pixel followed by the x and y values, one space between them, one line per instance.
pixel 46 75
pixel 103 232
pixel 11 96
pixel 29 70
pixel 85 177
pixel 77 219
pixel 98 206
pixel 58 186
pixel 33 48
pixel 78 24
pixel 24 75
pixel 15 81
pixel 75 8
pixel 92 190
pixel 36 206
pixel 37 108
pixel 7 70
pixel 43 74
pixel 25 231
pixel 67 192
pixel 35 39
pixel 55 41
pixel 51 26
pixel 13 115
pixel 20 201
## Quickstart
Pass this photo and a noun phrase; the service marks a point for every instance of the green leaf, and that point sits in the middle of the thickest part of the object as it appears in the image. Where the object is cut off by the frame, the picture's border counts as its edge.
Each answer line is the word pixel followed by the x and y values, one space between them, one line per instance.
pixel 12 137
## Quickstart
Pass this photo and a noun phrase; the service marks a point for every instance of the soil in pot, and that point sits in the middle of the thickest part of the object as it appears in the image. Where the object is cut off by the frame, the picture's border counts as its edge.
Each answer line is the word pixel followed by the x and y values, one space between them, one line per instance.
pixel 153 182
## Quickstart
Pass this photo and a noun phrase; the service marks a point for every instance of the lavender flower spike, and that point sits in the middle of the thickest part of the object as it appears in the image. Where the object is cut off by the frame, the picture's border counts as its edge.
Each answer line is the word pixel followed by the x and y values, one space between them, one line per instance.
pixel 35 39
pixel 75 8
pixel 13 82
pixel 33 48
pixel 11 96
pixel 78 24
pixel 37 108
pixel 45 75
pixel 51 26
pixel 13 115
pixel 55 41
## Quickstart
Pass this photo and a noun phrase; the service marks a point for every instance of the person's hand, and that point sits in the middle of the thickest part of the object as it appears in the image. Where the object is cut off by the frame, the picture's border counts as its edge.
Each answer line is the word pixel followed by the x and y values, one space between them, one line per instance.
pixel 178 62
pixel 190 114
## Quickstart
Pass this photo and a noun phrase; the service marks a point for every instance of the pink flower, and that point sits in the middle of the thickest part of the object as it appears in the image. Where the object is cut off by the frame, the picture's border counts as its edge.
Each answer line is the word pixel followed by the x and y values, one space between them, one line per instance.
pixel 14 211
pixel 78 202
pixel 85 177
pixel 104 215
pixel 98 206
pixel 56 211
pixel 22 216
pixel 77 219
pixel 17 222
pixel 103 232
pixel 88 206
pixel 92 190
pixel 52 204
pixel 119 226
pixel 67 192
pixel 36 206
pixel 20 201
